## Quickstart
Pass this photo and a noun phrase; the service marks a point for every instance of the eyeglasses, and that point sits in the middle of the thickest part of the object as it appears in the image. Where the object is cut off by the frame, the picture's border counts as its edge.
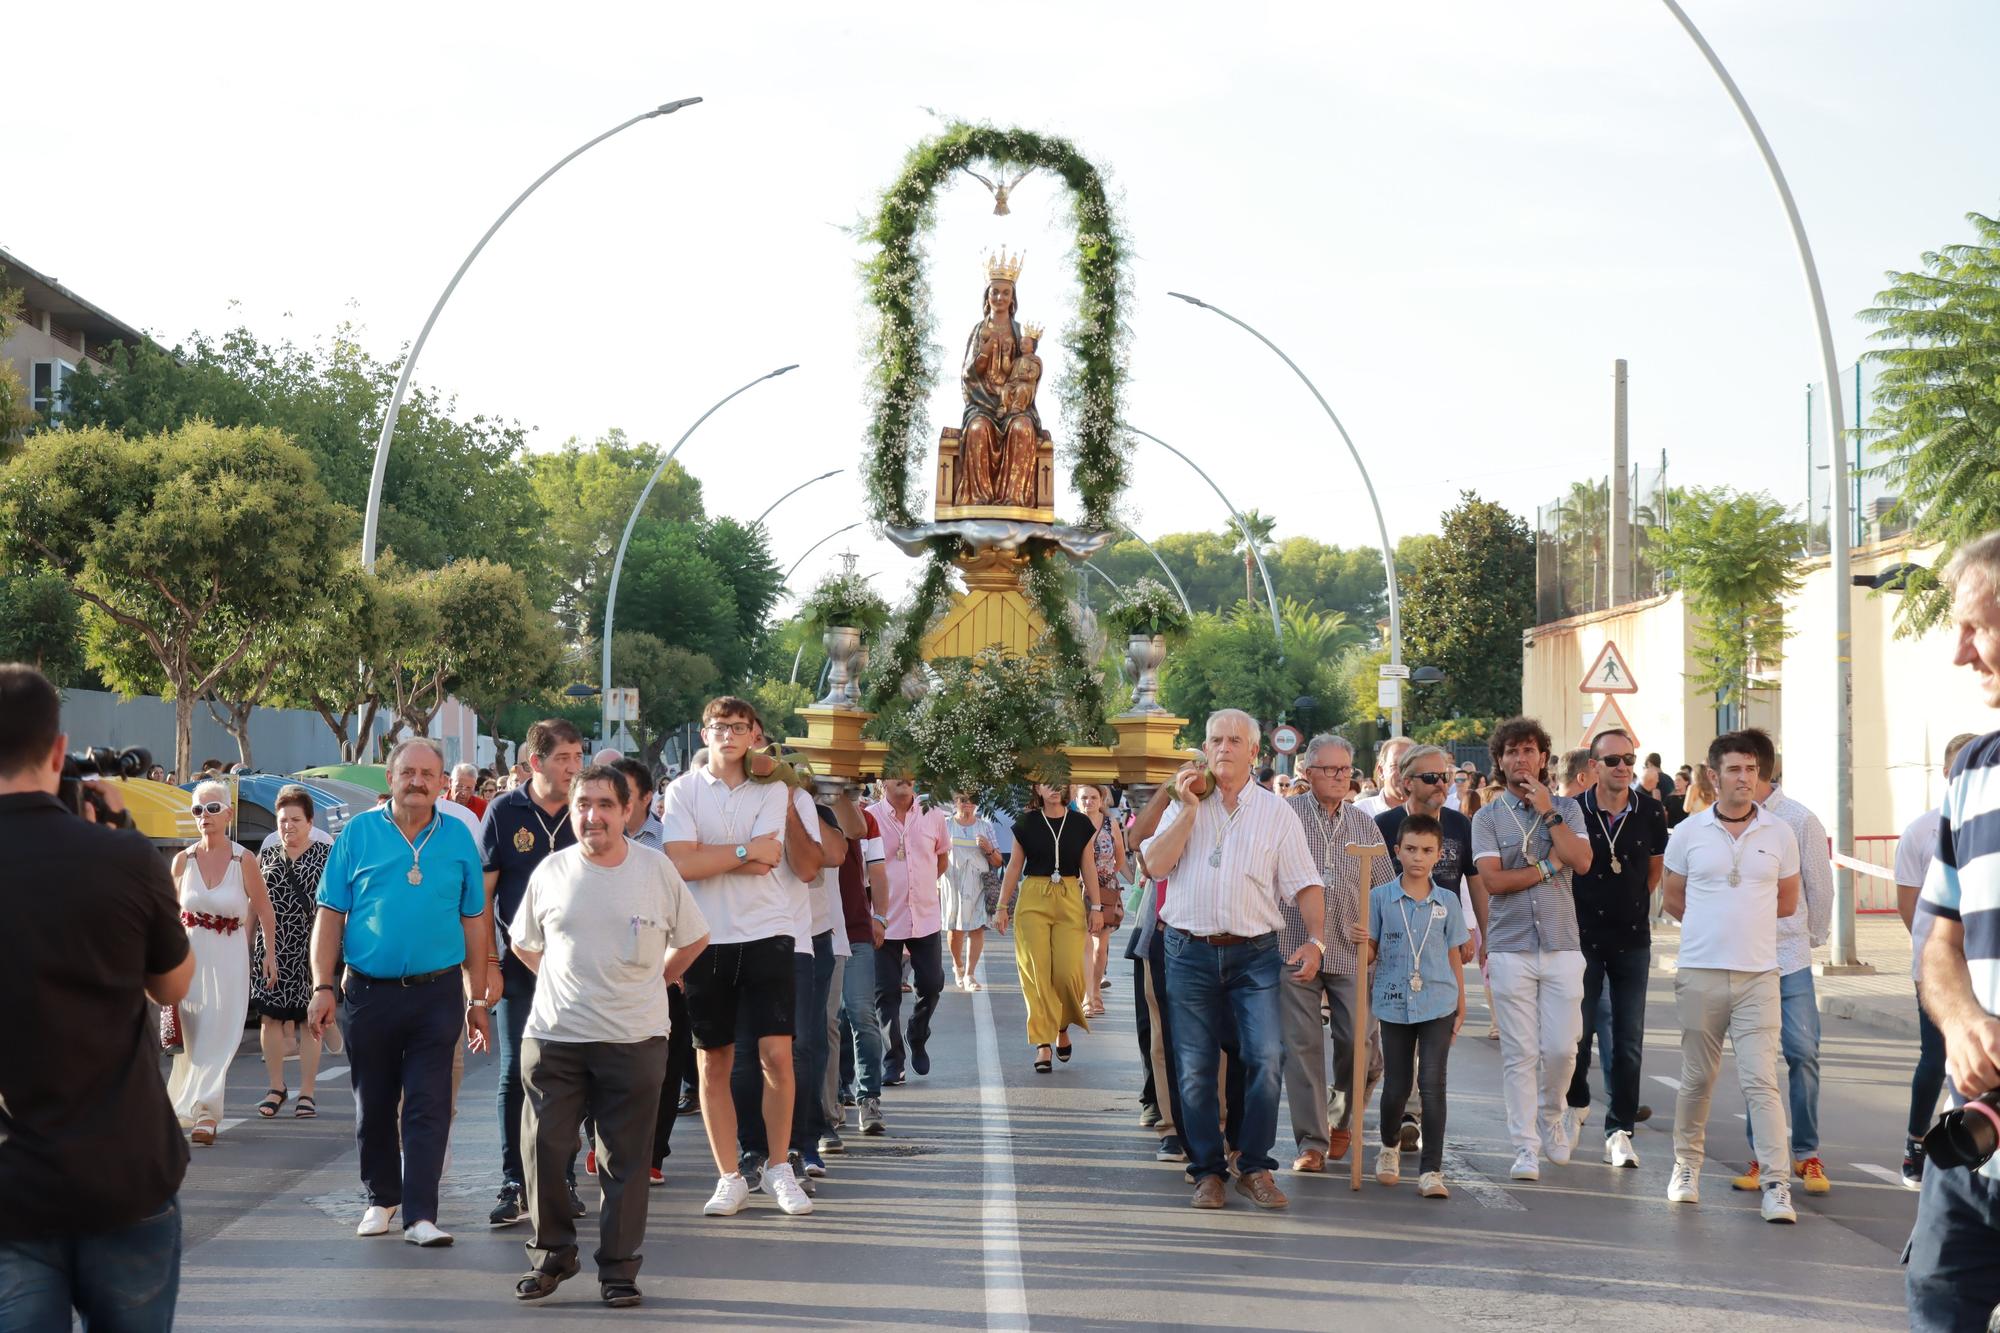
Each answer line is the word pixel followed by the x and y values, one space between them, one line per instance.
pixel 200 808
pixel 1618 760
pixel 1434 779
pixel 729 728
pixel 1331 770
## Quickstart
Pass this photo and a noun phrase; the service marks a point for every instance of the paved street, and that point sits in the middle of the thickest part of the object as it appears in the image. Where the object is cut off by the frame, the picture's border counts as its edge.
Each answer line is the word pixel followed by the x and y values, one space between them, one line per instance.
pixel 1006 1199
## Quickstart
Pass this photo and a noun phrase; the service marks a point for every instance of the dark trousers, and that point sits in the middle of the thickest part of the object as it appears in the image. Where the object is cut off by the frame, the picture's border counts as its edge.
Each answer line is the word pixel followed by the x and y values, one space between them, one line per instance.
pixel 927 964
pixel 618 1085
pixel 1416 1051
pixel 1954 1283
pixel 1928 1081
pixel 746 1070
pixel 120 1281
pixel 1143 1022
pixel 510 1020
pixel 680 1059
pixel 1624 972
pixel 1209 988
pixel 811 1047
pixel 399 1049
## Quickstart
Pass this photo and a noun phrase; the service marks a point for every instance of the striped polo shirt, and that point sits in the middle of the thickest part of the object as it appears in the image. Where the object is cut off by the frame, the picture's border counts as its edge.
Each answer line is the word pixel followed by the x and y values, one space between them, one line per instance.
pixel 1964 880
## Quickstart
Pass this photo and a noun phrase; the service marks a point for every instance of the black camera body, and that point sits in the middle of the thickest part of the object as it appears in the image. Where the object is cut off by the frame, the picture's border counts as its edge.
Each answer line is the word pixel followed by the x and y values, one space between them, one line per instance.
pixel 1966 1135
pixel 73 791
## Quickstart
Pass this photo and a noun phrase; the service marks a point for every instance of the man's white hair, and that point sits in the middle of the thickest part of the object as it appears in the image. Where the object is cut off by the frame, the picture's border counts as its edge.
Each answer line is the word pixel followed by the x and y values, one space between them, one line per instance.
pixel 1407 766
pixel 1326 740
pixel 1981 556
pixel 410 743
pixel 465 771
pixel 1237 715
pixel 211 791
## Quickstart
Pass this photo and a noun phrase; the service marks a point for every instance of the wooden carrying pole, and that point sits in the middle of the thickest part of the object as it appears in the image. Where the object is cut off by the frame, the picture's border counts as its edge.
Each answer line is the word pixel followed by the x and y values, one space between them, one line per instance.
pixel 1358 1088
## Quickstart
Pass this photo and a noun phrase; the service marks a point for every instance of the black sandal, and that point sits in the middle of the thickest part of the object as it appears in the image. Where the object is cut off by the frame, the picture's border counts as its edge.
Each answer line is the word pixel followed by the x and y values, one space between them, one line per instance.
pixel 536 1284
pixel 619 1295
pixel 1042 1063
pixel 1063 1051
pixel 306 1108
pixel 273 1100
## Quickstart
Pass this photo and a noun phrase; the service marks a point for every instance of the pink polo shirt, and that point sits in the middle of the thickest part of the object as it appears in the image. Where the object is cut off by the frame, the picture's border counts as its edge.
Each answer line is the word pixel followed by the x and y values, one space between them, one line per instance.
pixel 910 842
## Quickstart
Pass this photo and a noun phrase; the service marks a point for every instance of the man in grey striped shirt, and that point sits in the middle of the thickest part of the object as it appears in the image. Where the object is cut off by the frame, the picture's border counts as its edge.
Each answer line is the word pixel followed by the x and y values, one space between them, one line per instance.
pixel 1526 845
pixel 1331 822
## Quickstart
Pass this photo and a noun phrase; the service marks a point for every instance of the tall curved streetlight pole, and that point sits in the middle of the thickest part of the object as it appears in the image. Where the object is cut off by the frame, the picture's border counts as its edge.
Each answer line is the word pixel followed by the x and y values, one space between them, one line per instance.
pixel 1838 536
pixel 371 519
pixel 794 491
pixel 618 562
pixel 1277 630
pixel 1381 528
pixel 1178 590
pixel 816 545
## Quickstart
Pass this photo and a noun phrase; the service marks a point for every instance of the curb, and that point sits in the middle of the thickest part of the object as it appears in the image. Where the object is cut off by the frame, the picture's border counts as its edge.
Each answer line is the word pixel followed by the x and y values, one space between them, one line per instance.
pixel 1874 1017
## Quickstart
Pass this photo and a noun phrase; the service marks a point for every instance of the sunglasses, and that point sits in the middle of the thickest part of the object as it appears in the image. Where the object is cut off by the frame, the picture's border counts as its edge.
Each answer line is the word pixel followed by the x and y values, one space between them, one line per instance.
pixel 200 808
pixel 1618 760
pixel 1434 779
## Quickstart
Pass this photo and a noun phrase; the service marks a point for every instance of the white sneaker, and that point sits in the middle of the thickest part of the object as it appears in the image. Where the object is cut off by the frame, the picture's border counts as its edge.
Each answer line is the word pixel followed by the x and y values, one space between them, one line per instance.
pixel 1618 1150
pixel 730 1193
pixel 1389 1166
pixel 782 1185
pixel 1558 1141
pixel 1778 1202
pixel 1574 1119
pixel 1430 1185
pixel 375 1222
pixel 1683 1186
pixel 426 1234
pixel 1527 1166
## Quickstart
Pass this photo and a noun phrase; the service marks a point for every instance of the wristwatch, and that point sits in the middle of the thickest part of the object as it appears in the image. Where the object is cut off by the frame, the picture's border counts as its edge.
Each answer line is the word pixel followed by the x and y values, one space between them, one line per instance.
pixel 742 852
pixel 877 916
pixel 1317 944
pixel 1552 818
pixel 476 1002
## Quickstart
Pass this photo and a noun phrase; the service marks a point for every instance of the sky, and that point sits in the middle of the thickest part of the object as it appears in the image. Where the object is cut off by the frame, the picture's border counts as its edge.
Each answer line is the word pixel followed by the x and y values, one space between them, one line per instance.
pixel 1454 216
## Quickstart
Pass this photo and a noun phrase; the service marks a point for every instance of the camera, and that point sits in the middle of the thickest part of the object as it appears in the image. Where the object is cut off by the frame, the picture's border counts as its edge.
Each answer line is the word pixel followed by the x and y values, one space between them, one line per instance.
pixel 73 791
pixel 1966 1135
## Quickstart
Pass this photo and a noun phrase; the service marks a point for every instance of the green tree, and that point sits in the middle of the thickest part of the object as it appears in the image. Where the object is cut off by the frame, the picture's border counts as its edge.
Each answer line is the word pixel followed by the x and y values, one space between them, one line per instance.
pixel 16 412
pixel 488 640
pixel 1734 557
pixel 1938 424
pixel 743 554
pixel 335 646
pixel 587 493
pixel 675 587
pixel 673 683
pixel 186 542
pixel 1233 662
pixel 1469 599
pixel 41 623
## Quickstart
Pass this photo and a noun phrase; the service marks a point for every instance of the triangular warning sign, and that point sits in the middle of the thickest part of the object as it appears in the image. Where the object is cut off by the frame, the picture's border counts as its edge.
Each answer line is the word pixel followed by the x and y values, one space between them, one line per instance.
pixel 1609 674
pixel 1609 717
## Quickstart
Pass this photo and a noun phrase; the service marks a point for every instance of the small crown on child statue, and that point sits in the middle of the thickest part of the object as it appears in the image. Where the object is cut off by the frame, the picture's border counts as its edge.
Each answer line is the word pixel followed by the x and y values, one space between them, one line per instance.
pixel 1032 331
pixel 1003 267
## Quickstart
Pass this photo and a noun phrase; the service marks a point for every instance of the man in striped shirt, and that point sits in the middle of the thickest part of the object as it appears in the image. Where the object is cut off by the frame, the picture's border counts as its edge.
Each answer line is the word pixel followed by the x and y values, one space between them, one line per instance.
pixel 1954 1282
pixel 1229 857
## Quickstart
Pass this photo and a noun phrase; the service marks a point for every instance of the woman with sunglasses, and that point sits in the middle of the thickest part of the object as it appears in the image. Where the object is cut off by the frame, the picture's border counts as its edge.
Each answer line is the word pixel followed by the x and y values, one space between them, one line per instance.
pixel 219 885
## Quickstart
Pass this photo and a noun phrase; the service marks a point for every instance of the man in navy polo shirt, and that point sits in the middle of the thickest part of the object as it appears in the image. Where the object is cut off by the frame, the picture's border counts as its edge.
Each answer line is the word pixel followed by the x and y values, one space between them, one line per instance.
pixel 401 903
pixel 521 828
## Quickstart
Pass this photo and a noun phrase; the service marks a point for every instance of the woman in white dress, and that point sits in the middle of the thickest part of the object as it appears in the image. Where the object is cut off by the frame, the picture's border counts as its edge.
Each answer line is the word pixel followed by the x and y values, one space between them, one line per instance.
pixel 962 888
pixel 219 886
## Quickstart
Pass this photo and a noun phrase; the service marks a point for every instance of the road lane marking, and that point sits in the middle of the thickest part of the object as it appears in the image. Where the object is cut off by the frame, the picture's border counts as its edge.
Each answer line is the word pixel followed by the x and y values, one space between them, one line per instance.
pixel 1882 1172
pixel 332 1071
pixel 1662 1079
pixel 1000 1225
pixel 1467 1177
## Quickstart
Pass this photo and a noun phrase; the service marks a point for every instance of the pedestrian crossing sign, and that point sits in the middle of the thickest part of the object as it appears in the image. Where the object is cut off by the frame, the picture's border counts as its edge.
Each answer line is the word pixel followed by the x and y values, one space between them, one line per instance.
pixel 1609 674
pixel 1609 717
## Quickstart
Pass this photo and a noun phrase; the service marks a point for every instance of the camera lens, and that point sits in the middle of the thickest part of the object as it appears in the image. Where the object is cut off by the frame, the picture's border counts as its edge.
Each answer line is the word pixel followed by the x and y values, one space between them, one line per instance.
pixel 1965 1136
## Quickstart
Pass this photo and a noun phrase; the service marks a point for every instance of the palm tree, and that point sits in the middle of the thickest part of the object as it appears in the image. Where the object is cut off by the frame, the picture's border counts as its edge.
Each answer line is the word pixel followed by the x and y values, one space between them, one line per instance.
pixel 1315 634
pixel 1250 541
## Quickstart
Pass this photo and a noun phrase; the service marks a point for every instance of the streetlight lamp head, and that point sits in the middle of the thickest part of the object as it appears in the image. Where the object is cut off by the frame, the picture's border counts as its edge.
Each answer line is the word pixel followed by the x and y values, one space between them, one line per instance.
pixel 781 370
pixel 1191 300
pixel 1426 675
pixel 668 108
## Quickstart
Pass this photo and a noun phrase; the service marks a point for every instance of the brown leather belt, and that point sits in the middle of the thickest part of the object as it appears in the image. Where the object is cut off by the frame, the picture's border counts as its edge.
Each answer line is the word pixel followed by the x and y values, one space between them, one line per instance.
pixel 1220 941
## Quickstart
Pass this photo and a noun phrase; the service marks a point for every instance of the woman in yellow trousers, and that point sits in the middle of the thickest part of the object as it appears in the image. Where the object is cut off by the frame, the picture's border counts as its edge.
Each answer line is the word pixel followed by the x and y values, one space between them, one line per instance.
pixel 1054 877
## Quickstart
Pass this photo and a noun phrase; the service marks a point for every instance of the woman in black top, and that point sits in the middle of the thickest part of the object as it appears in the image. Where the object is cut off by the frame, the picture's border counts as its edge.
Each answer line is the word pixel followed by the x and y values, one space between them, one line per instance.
pixel 1056 877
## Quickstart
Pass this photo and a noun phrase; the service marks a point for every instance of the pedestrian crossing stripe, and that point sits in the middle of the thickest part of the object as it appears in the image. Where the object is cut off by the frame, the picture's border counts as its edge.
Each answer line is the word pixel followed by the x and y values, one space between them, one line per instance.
pixel 1609 674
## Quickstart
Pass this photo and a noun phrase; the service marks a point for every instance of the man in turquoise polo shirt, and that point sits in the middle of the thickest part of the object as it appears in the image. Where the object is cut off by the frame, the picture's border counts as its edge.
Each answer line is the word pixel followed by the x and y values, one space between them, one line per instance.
pixel 403 903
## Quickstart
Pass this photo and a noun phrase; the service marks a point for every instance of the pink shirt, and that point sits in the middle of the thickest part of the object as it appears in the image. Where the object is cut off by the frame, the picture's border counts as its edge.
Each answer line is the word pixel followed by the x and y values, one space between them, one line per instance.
pixel 914 841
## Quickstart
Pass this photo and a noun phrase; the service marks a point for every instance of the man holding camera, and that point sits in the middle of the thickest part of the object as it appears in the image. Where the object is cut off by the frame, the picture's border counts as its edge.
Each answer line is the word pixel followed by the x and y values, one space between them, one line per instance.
pixel 1954 1282
pixel 91 1157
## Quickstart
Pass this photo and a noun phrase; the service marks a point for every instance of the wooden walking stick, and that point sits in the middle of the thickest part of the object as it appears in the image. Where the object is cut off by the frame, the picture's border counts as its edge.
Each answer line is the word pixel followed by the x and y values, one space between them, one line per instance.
pixel 1358 1089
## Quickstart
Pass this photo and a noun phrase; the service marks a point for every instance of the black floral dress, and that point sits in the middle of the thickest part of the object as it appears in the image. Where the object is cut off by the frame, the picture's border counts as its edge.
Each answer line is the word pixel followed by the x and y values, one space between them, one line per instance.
pixel 294 888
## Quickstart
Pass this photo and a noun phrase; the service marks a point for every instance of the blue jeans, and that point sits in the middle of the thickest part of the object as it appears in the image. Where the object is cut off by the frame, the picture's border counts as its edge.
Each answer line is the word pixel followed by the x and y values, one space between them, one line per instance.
pixel 123 1281
pixel 1928 1081
pixel 862 1018
pixel 1208 985
pixel 810 1047
pixel 510 1020
pixel 1953 1283
pixel 1799 1036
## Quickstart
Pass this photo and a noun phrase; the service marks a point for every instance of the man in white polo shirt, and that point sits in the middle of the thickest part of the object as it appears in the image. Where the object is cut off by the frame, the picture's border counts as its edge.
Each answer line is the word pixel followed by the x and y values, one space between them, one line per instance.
pixel 1731 872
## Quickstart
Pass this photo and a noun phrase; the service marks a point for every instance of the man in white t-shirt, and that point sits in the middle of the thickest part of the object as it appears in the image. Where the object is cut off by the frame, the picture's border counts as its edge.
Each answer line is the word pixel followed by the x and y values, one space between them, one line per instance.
pixel 1914 853
pixel 726 834
pixel 1731 872
pixel 606 926
pixel 1388 777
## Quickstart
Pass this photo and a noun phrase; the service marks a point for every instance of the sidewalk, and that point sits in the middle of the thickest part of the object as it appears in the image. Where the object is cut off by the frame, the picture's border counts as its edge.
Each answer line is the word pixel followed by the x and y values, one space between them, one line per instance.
pixel 1883 1001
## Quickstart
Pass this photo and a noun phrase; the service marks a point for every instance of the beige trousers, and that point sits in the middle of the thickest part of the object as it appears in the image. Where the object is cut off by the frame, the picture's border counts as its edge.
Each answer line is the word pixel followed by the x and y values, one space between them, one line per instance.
pixel 1745 1006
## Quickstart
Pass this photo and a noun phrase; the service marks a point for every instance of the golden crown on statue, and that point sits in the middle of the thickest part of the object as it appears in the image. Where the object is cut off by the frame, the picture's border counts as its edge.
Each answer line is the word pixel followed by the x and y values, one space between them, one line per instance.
pixel 1003 267
pixel 1031 331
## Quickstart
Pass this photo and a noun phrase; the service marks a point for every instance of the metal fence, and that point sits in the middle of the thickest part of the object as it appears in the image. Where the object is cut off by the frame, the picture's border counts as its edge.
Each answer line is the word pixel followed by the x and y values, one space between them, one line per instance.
pixel 1871 483
pixel 1574 573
